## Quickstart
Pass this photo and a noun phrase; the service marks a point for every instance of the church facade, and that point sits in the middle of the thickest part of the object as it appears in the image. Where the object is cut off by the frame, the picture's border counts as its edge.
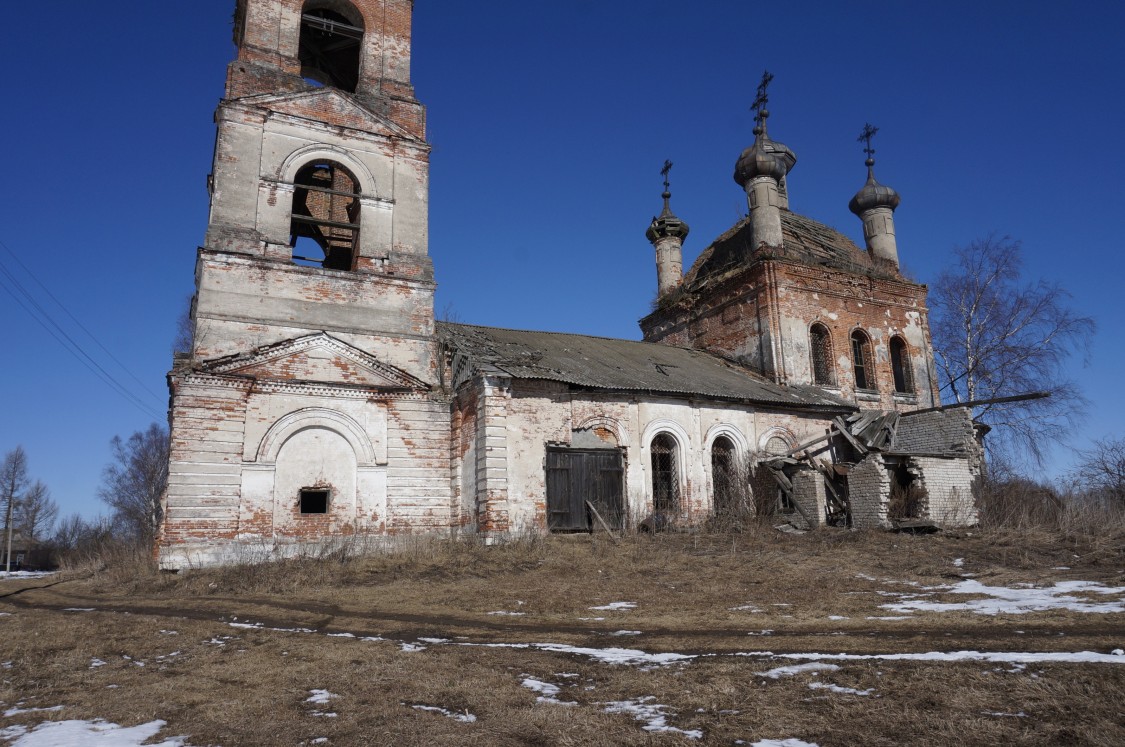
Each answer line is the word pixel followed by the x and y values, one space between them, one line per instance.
pixel 787 371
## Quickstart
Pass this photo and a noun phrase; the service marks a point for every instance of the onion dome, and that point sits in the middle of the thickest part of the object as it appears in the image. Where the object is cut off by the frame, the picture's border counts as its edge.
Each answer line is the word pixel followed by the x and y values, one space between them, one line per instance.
pixel 764 158
pixel 873 194
pixel 666 224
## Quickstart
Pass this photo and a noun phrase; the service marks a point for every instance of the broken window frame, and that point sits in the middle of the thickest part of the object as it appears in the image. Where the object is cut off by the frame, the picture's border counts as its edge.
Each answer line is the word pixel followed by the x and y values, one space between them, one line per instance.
pixel 314 494
pixel 331 45
pixel 664 453
pixel 902 369
pixel 338 240
pixel 862 362
pixel 820 355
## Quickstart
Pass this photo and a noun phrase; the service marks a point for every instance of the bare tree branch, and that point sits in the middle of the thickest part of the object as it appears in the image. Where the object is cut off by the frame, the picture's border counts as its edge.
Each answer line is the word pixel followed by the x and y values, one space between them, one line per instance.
pixel 133 484
pixel 996 335
pixel 36 512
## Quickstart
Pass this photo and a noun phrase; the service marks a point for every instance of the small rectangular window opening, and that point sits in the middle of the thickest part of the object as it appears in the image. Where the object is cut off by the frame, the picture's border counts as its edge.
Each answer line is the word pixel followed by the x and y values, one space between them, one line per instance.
pixel 314 500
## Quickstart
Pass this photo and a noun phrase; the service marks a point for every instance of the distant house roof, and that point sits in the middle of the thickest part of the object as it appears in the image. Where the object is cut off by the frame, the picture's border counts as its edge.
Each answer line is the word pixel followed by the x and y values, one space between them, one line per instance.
pixel 623 365
pixel 805 241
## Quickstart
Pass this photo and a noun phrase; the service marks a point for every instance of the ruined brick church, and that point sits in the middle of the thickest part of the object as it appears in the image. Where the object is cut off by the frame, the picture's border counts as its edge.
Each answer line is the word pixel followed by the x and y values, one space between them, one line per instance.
pixel 788 371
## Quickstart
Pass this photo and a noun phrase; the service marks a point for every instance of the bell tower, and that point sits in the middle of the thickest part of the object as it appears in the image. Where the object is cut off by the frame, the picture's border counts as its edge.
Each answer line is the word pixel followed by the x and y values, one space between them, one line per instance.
pixel 306 409
pixel 319 186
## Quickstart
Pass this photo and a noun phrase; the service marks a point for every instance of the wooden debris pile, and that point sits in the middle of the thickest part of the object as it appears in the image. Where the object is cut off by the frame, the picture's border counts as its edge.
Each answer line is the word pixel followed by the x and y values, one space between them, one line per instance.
pixel 867 430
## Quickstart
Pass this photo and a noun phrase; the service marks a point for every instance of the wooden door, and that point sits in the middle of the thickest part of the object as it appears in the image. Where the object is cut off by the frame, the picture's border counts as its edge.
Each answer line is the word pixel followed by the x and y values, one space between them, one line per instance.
pixel 575 476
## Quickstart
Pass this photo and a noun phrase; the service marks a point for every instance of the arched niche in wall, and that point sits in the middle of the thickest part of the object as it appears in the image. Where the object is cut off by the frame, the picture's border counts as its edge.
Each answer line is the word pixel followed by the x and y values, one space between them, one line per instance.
pixel 331 45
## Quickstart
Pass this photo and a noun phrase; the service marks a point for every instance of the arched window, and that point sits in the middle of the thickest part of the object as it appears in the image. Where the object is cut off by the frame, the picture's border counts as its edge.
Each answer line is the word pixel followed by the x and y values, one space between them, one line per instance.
pixel 665 478
pixel 862 360
pixel 724 476
pixel 331 42
pixel 325 223
pixel 901 367
pixel 820 349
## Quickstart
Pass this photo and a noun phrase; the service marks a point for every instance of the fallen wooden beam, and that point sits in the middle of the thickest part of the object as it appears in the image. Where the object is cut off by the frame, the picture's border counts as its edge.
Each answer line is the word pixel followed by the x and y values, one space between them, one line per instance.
pixel 978 402
pixel 601 521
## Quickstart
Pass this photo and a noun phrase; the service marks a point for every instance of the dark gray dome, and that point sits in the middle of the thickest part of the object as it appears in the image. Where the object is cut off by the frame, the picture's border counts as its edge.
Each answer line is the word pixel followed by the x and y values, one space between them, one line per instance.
pixel 764 158
pixel 873 194
pixel 667 224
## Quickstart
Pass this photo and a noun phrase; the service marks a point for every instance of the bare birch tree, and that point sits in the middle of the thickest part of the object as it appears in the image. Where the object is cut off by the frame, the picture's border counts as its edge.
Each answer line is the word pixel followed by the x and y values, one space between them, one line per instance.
pixel 36 512
pixel 997 335
pixel 13 481
pixel 134 482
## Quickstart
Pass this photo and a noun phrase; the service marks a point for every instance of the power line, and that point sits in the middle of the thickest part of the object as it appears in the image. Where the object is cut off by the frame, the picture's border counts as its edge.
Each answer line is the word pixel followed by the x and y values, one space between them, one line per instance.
pixel 56 331
pixel 61 305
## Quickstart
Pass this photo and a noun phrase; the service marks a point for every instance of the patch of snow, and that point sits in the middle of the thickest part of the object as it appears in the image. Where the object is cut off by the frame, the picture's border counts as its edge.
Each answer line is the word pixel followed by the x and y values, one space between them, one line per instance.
pixel 78 609
pixel 320 697
pixel 95 663
pixel 259 626
pixel 837 617
pixel 1061 568
pixel 169 632
pixel 1115 652
pixel 959 562
pixel 626 632
pixel 745 608
pixel 434 640
pixel 510 614
pixel 837 689
pixel 17 710
pixel 411 647
pixel 341 635
pixel 1000 657
pixel 1012 600
pixel 893 617
pixel 26 574
pixel 617 606
pixel 615 655
pixel 546 691
pixel 465 718
pixel 761 632
pixel 653 714
pixel 11 732
pixel 782 743
pixel 97 733
pixel 1021 714
pixel 325 714
pixel 591 619
pixel 792 669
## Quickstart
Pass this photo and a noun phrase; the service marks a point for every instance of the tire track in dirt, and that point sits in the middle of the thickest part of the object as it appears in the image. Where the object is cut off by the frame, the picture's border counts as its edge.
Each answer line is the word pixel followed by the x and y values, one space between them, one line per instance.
pixel 269 615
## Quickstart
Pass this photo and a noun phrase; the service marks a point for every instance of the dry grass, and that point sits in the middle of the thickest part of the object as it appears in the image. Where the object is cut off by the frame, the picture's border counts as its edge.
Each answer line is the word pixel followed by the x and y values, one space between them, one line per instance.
pixel 252 689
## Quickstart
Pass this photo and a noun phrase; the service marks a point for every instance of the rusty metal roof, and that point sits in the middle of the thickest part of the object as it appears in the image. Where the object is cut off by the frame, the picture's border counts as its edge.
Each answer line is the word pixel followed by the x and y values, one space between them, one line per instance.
pixel 623 365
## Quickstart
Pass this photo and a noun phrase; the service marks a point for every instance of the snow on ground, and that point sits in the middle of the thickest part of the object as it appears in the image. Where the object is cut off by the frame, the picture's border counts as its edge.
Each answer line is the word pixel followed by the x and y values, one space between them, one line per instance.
pixel 792 669
pixel 779 743
pixel 617 606
pixel 838 689
pixel 546 691
pixel 1008 657
pixel 626 632
pixel 653 714
pixel 97 733
pixel 1017 600
pixel 320 697
pixel 26 574
pixel 465 718
pixel 505 612
pixel 78 609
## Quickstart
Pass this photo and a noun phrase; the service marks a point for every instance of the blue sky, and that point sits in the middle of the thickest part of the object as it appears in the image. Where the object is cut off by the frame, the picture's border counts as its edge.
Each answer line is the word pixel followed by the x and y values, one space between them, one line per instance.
pixel 549 124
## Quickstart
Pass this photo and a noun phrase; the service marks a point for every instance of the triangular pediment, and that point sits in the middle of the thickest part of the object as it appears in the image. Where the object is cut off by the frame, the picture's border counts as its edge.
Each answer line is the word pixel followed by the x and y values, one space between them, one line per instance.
pixel 329 105
pixel 317 358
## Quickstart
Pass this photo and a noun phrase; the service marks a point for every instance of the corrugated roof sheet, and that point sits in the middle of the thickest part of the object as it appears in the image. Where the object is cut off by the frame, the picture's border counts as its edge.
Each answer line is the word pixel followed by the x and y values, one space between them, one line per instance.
pixel 805 240
pixel 623 365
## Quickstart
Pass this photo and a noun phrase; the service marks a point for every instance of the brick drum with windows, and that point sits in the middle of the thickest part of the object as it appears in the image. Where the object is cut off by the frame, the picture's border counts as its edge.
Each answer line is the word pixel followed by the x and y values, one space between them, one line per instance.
pixel 321 399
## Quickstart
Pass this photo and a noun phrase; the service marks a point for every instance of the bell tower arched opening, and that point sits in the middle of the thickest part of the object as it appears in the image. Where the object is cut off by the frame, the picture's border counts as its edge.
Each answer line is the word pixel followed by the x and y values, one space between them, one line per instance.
pixel 324 228
pixel 331 43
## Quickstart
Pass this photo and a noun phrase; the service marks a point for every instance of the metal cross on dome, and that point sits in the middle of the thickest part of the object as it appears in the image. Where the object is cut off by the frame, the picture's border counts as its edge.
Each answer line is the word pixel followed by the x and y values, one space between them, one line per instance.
pixel 869 131
pixel 664 172
pixel 760 100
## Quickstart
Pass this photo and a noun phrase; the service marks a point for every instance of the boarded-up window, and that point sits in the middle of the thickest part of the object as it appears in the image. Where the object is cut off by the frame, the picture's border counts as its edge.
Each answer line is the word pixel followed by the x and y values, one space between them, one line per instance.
pixel 901 367
pixel 862 361
pixel 665 479
pixel 820 349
